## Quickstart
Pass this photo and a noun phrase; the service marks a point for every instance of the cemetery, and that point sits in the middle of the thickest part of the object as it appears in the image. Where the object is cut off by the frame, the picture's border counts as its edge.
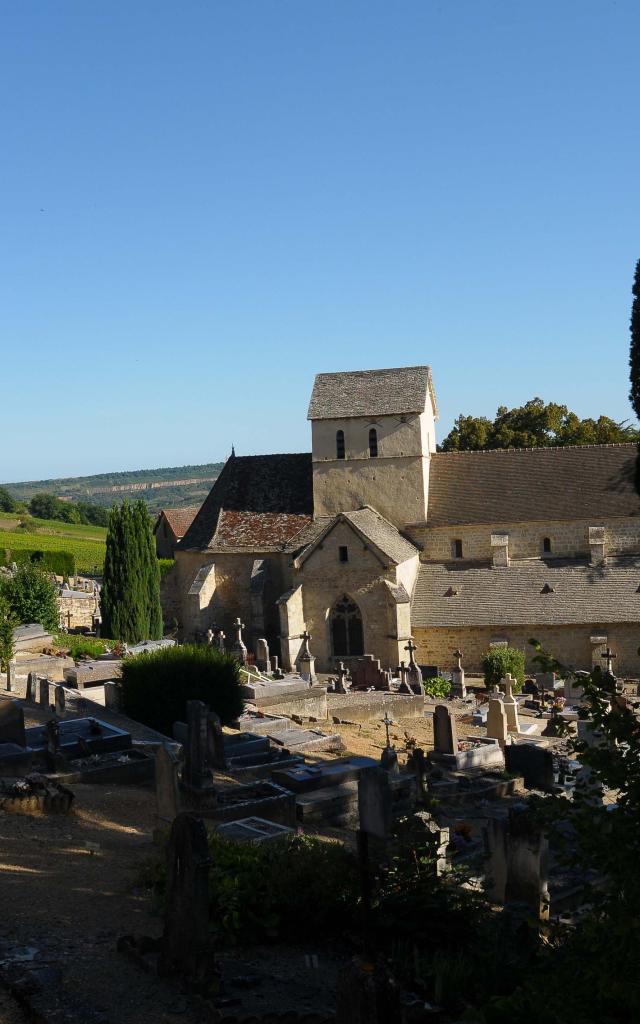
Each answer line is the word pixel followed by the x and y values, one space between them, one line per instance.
pixel 359 779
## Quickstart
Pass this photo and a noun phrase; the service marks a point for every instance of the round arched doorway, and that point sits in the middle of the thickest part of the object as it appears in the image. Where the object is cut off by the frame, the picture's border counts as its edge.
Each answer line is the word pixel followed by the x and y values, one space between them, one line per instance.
pixel 347 635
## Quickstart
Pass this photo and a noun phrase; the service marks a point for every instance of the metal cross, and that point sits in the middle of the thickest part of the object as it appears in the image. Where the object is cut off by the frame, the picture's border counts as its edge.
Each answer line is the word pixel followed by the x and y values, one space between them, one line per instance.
pixel 387 722
pixel 411 647
pixel 609 655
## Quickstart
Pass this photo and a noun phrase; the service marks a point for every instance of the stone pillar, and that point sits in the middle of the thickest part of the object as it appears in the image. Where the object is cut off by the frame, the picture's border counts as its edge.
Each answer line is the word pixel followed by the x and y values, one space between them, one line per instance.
pixel 32 688
pixel 458 688
pixel 375 802
pixel 497 722
pixel 11 676
pixel 262 655
pixel 60 700
pixel 167 792
pixel 215 742
pixel 112 696
pixel 43 692
pixel 196 770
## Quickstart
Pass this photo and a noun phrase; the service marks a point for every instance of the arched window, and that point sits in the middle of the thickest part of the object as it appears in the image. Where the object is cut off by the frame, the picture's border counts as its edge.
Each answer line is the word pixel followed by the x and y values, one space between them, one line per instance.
pixel 340 444
pixel 373 443
pixel 546 545
pixel 347 638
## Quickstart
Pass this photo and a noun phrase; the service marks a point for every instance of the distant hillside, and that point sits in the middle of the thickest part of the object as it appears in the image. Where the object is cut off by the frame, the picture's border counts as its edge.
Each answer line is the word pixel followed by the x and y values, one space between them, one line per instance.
pixel 170 487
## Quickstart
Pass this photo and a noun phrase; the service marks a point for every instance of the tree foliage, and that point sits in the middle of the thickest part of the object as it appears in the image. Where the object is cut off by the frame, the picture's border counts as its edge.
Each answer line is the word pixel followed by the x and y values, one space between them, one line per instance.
pixel 500 660
pixel 48 506
pixel 8 622
pixel 131 583
pixel 534 425
pixel 155 687
pixel 7 503
pixel 32 597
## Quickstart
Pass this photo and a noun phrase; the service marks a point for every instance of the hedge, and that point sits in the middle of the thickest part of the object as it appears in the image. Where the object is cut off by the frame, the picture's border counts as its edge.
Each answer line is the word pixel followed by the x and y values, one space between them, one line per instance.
pixel 500 660
pixel 61 563
pixel 155 687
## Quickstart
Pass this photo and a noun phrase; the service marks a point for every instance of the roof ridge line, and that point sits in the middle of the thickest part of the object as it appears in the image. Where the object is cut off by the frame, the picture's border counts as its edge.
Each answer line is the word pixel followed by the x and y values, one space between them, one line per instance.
pixel 543 448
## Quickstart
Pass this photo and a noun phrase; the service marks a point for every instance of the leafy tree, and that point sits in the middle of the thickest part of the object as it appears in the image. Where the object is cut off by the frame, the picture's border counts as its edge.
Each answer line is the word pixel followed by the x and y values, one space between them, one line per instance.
pixel 131 583
pixel 500 660
pixel 44 506
pixel 634 357
pixel 93 515
pixel 7 503
pixel 534 425
pixel 32 596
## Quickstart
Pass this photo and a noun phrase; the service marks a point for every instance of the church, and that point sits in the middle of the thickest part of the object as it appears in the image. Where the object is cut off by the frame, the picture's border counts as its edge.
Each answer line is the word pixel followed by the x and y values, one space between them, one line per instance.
pixel 374 537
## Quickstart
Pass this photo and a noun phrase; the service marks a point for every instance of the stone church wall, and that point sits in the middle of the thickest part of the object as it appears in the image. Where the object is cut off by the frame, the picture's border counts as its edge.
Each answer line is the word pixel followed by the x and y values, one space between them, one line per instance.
pixel 569 644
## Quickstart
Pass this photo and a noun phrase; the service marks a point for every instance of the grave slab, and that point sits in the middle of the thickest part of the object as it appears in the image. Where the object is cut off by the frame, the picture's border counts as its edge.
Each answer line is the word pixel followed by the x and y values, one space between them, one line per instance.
pixel 307 778
pixel 254 830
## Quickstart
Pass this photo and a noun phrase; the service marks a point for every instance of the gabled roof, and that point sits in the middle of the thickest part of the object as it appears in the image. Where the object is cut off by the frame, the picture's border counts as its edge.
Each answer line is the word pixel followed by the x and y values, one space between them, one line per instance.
pixel 404 389
pixel 179 519
pixel 531 592
pixel 257 503
pixel 388 544
pixel 528 484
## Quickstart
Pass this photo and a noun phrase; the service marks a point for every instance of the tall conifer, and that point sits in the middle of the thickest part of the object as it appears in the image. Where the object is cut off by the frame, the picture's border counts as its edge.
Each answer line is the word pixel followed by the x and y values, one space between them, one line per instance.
pixel 634 358
pixel 131 587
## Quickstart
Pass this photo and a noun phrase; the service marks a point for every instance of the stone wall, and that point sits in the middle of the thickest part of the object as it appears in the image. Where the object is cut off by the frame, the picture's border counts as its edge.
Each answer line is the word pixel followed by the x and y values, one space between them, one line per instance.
pixel 569 644
pixel 77 609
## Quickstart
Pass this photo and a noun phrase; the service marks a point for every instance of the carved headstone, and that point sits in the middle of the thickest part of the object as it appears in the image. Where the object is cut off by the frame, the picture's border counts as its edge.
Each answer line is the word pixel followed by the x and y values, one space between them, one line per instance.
pixel 414 674
pixel 444 730
pixel 306 661
pixel 12 723
pixel 341 680
pixel 186 943
pixel 497 722
pixel 510 704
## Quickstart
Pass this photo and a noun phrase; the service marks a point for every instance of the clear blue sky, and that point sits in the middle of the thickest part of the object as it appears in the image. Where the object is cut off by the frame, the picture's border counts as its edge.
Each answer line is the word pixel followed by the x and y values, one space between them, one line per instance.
pixel 205 203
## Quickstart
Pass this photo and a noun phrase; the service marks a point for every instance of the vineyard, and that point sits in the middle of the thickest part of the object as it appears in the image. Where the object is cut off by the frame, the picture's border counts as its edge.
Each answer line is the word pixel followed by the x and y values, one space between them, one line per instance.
pixel 86 543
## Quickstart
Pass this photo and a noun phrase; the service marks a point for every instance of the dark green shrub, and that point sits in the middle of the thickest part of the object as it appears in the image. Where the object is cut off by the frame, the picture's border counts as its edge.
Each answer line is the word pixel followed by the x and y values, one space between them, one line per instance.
pixel 500 660
pixel 32 596
pixel 61 563
pixel 295 888
pixel 155 687
pixel 436 686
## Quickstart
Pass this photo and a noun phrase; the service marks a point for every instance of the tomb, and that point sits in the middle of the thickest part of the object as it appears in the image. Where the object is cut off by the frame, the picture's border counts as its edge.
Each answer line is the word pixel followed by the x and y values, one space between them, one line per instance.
pixel 254 830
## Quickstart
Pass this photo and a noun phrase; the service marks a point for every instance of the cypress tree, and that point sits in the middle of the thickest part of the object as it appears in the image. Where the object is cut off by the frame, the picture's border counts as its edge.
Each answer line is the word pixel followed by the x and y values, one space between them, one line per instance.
pixel 150 571
pixel 131 585
pixel 634 358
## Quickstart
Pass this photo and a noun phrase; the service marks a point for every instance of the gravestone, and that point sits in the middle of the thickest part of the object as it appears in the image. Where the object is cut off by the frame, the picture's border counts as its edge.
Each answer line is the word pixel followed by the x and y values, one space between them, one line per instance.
pixel 112 695
pixel 210 637
pixel 458 688
pixel 533 762
pixel 510 704
pixel 262 655
pixel 12 723
pixel 239 650
pixel 366 673
pixel 219 641
pixel 186 945
pixel 60 700
pixel 197 773
pixel 375 802
pixel 215 745
pixel 527 863
pixel 340 685
pixel 11 676
pixel 588 787
pixel 414 673
pixel 306 661
pixel 497 722
pixel 32 688
pixel 167 793
pixel 276 671
pixel 43 692
pixel 444 731
pixel 389 757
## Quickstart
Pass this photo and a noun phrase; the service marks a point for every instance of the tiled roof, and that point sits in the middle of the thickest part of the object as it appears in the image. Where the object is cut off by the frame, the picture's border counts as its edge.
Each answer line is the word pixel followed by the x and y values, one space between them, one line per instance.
pixel 532 592
pixel 368 523
pixel 382 533
pixel 179 519
pixel 525 484
pixel 258 503
pixel 371 393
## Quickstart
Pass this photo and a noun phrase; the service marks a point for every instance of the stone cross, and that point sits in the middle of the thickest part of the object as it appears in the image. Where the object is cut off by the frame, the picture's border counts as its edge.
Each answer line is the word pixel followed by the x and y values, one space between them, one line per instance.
pixel 497 722
pixel 508 681
pixel 210 637
pixel 239 650
pixel 219 641
pixel 306 653
pixel 306 660
pixel 458 656
pixel 609 656
pixel 239 626
pixel 340 686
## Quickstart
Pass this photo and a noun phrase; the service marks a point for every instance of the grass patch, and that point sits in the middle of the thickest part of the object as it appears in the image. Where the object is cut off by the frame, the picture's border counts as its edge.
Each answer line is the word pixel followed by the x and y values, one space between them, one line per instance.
pixel 82 646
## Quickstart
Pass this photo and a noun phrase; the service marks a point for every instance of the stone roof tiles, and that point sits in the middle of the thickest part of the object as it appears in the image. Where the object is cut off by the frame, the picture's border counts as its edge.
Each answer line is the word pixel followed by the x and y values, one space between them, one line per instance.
pixel 371 393
pixel 258 503
pixel 527 484
pixel 368 523
pixel 529 592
